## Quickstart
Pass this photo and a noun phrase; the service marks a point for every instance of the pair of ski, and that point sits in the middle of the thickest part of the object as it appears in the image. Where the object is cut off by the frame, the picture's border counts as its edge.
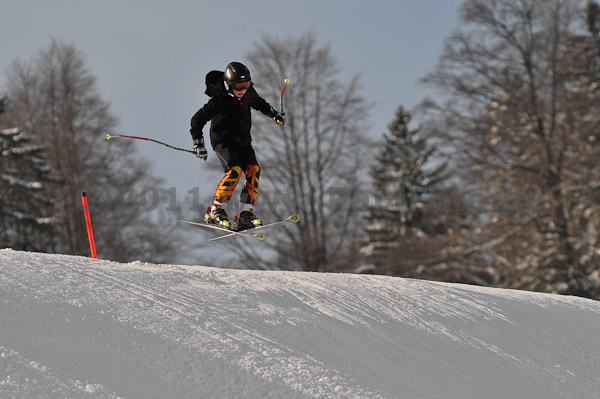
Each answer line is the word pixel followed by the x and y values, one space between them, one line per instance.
pixel 251 233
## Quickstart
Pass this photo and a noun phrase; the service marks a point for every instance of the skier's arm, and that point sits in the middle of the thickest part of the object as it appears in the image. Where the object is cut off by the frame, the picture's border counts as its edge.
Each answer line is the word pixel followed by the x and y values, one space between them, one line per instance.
pixel 201 118
pixel 260 104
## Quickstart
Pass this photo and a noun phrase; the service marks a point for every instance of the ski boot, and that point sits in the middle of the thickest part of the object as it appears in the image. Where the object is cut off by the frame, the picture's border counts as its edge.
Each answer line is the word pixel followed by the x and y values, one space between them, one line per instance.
pixel 217 215
pixel 248 220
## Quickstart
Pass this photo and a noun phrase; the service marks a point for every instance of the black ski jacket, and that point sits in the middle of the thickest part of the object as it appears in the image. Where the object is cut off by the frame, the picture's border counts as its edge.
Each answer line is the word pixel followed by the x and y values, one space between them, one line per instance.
pixel 230 116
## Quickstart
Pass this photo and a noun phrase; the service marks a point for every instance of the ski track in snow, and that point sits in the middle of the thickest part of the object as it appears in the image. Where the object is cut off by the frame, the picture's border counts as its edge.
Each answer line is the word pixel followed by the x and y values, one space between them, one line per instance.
pixel 77 328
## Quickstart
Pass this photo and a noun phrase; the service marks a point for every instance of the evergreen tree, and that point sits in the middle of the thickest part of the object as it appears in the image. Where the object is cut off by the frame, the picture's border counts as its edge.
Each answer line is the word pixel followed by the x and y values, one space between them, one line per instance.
pixel 26 208
pixel 404 181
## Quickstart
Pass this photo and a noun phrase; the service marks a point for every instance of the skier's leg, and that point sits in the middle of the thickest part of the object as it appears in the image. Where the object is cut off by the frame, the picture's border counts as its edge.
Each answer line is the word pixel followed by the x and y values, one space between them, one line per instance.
pixel 252 172
pixel 250 191
pixel 230 161
pixel 226 186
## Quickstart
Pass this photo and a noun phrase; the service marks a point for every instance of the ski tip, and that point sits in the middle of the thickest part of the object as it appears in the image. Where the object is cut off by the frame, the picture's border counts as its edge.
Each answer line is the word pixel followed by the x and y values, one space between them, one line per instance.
pixel 295 218
pixel 108 137
pixel 286 81
pixel 259 236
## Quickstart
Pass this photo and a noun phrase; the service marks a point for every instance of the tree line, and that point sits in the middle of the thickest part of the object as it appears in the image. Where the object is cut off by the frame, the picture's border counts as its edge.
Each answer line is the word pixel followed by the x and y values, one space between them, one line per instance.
pixel 517 124
pixel 497 184
pixel 53 122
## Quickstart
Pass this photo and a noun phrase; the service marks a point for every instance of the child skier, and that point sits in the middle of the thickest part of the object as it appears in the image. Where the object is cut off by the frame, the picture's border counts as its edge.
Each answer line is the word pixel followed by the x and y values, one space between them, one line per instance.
pixel 231 96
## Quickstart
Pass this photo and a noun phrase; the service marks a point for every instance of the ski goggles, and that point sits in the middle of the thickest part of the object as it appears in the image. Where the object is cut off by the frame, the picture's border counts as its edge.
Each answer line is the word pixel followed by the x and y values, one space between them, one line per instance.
pixel 241 86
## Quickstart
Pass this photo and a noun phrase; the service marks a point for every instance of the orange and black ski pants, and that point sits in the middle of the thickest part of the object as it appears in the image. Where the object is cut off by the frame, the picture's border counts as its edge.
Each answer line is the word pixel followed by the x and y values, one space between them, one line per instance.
pixel 235 161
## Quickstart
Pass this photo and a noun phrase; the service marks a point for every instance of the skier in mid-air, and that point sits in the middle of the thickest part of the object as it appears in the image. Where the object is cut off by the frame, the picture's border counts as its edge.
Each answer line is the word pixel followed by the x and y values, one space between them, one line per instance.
pixel 232 96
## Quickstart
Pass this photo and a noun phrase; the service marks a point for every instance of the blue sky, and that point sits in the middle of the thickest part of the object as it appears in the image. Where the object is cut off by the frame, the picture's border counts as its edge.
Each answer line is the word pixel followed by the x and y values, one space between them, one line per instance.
pixel 150 57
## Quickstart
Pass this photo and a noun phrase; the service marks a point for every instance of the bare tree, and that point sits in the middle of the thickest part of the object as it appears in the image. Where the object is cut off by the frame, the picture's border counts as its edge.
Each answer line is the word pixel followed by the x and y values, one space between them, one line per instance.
pixel 521 118
pixel 313 164
pixel 54 97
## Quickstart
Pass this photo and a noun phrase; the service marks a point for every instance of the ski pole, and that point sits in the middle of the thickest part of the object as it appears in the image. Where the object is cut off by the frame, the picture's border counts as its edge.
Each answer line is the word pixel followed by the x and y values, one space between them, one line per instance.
pixel 110 136
pixel 285 82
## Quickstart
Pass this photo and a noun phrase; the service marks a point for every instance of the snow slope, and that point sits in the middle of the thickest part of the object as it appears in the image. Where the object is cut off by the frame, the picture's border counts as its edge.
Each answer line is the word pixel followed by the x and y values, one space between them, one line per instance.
pixel 72 327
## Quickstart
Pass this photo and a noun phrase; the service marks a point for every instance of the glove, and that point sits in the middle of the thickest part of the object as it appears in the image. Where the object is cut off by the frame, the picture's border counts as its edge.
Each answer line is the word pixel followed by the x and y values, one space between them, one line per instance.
pixel 200 149
pixel 279 118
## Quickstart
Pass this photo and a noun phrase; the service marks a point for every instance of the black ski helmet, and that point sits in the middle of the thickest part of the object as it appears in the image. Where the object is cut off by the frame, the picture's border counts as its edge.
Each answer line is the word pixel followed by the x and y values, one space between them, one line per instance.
pixel 234 73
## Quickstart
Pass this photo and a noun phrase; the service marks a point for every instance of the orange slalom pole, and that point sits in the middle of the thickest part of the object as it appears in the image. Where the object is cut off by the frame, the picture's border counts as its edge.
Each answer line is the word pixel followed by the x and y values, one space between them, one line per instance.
pixel 88 223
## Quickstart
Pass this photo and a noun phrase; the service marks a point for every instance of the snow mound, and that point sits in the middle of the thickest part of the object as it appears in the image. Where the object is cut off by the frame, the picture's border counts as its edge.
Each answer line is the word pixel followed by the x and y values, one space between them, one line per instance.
pixel 80 328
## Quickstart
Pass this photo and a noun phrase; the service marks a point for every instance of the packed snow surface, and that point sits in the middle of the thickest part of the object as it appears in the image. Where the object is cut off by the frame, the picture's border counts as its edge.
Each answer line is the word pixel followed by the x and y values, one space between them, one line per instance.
pixel 73 327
